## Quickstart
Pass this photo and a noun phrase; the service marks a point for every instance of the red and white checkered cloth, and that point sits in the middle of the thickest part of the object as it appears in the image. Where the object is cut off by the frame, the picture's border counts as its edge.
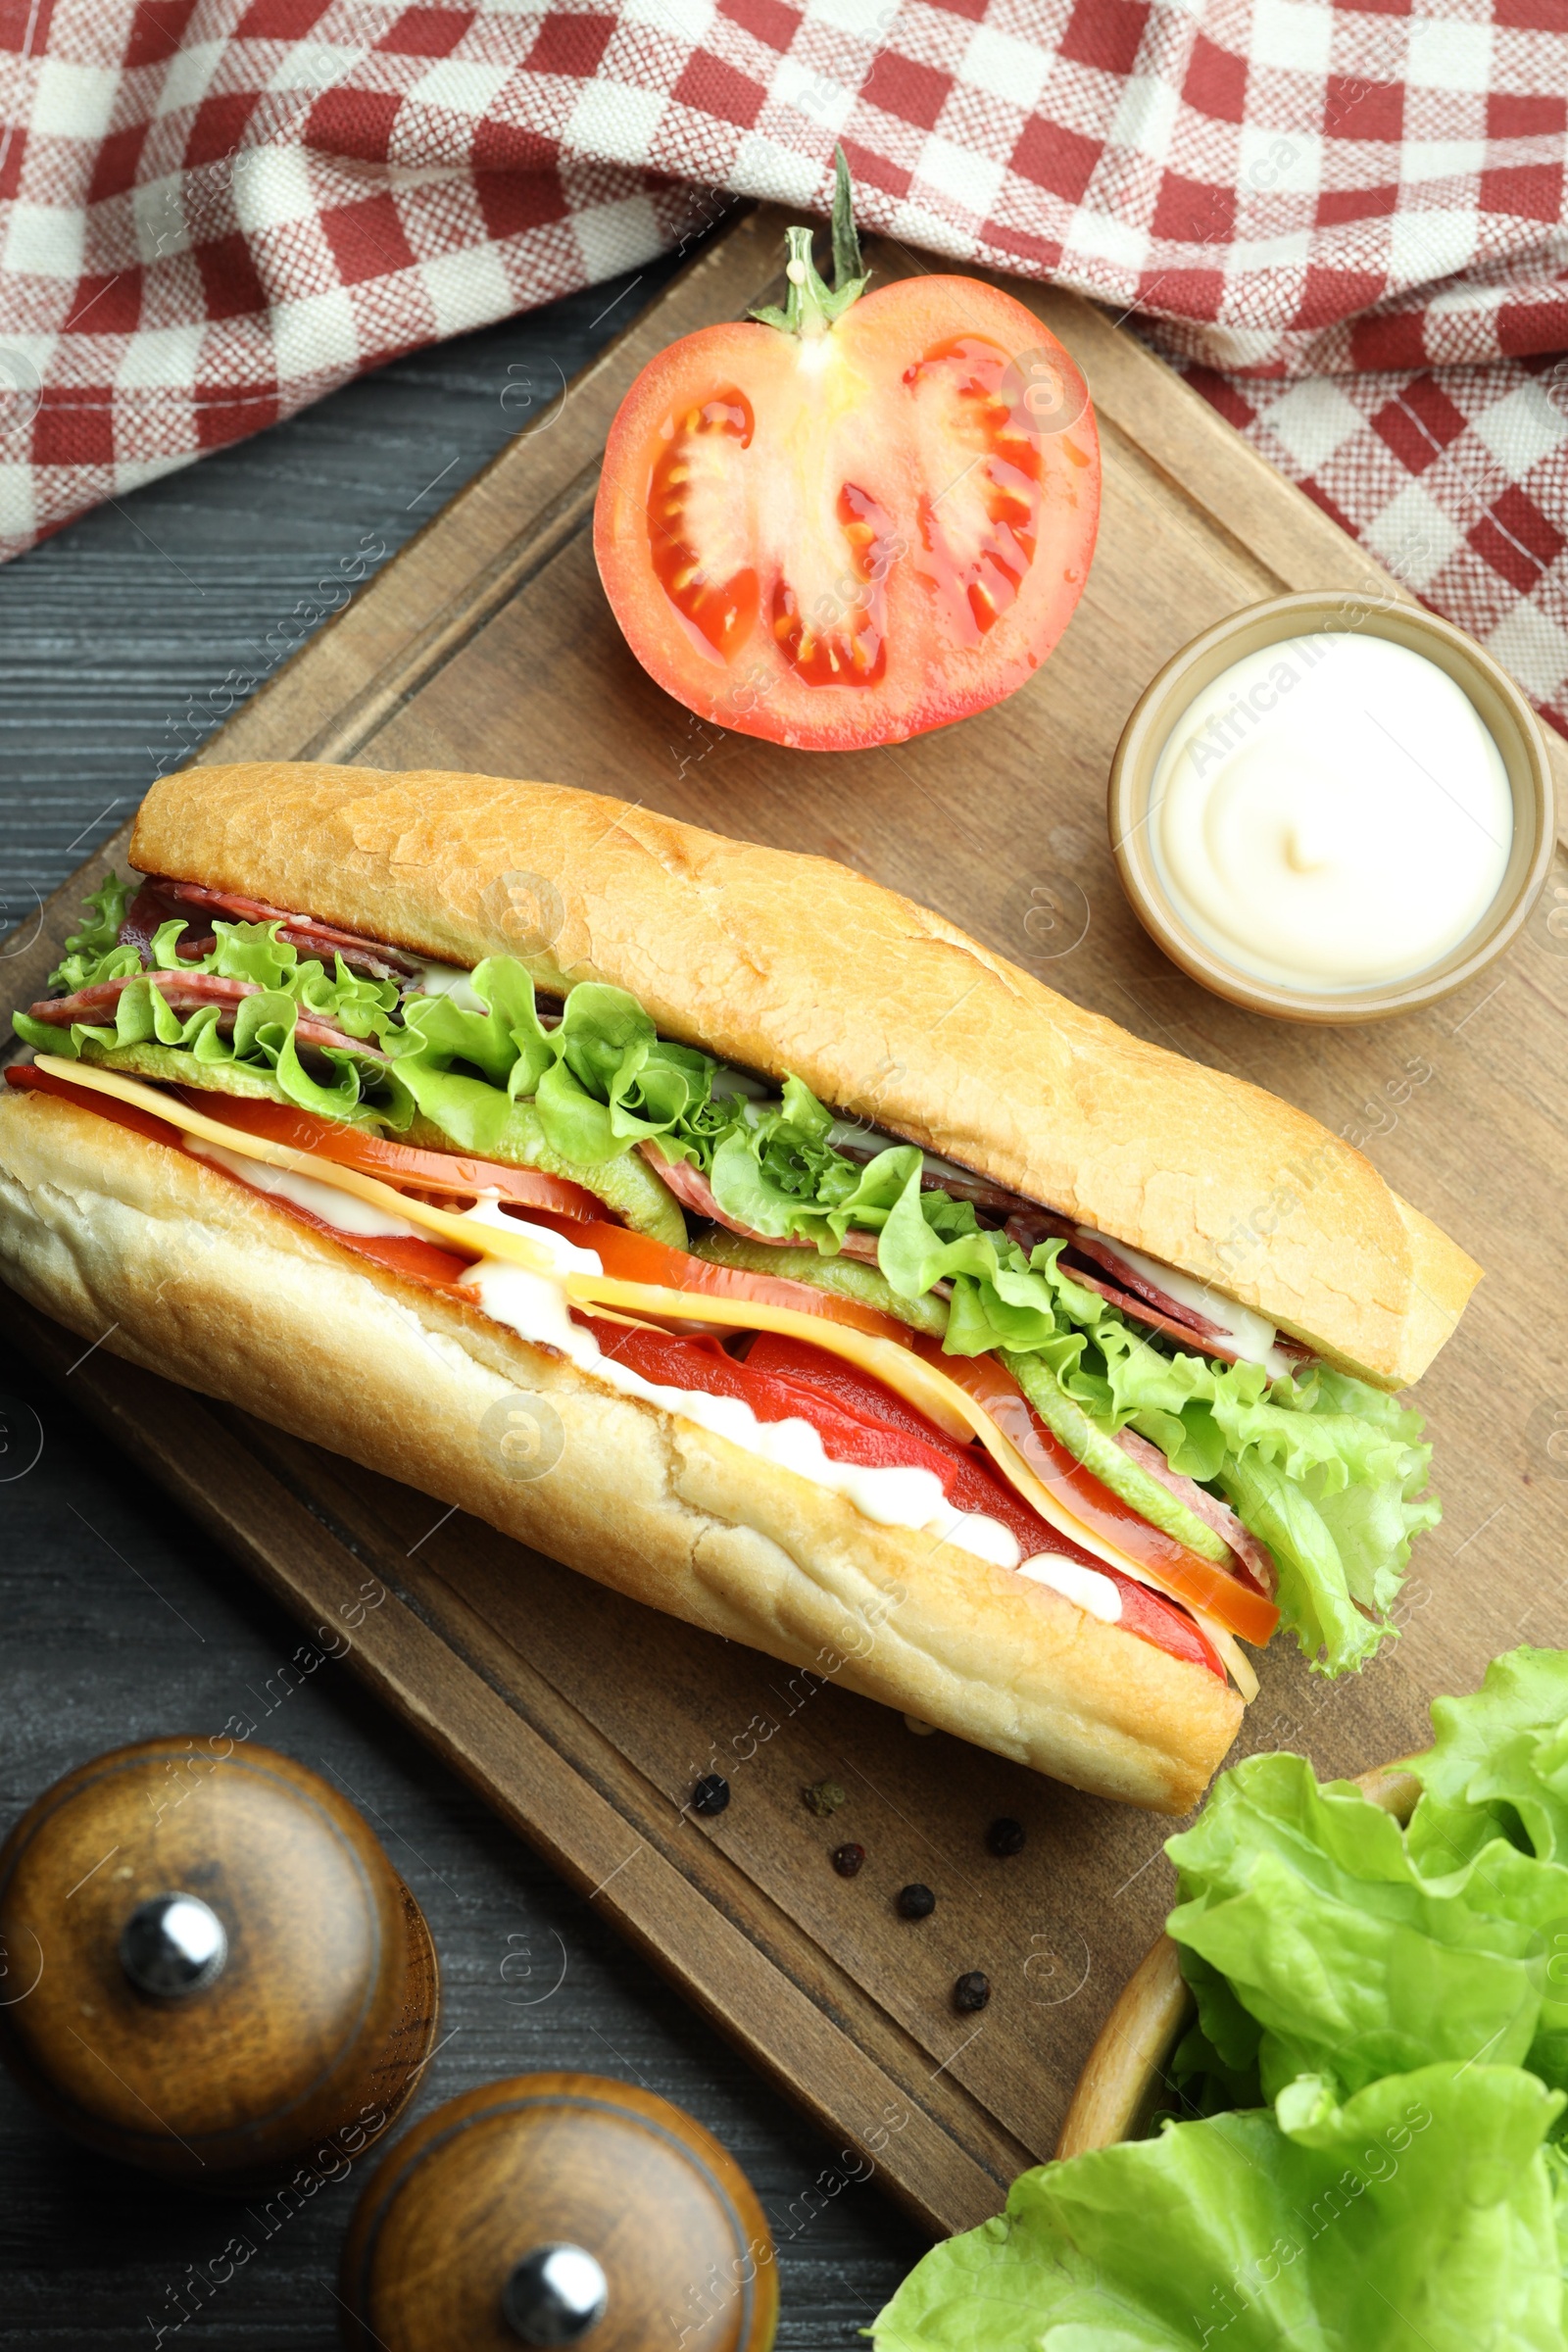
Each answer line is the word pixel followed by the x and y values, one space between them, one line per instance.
pixel 1346 220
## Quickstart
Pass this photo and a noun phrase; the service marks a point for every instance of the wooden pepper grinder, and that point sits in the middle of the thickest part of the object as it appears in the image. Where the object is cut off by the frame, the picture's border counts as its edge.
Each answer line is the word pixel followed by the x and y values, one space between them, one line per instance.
pixel 210 1967
pixel 553 2210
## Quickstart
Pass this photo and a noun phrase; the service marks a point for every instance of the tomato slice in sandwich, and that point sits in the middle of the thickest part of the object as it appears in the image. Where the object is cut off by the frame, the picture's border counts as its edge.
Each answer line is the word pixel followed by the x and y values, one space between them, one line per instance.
pixel 636 1258
pixel 860 1420
pixel 405 1166
pixel 1240 1607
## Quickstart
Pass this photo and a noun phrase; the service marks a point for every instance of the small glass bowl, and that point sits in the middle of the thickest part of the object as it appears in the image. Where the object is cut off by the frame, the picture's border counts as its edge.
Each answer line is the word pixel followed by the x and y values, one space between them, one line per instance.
pixel 1503 709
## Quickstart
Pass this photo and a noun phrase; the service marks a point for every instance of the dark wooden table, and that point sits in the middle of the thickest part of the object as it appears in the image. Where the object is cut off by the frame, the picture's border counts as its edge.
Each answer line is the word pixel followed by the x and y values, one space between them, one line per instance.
pixel 123 643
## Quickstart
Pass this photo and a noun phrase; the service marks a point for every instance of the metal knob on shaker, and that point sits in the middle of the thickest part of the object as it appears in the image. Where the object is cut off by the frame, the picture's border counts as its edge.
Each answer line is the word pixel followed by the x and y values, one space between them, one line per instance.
pixel 211 1969
pixel 555 2209
pixel 173 1945
pixel 556 2295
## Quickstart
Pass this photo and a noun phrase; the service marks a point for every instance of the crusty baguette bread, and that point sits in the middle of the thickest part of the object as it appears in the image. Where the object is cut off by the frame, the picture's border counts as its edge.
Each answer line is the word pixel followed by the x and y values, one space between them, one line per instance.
pixel 174 1265
pixel 783 962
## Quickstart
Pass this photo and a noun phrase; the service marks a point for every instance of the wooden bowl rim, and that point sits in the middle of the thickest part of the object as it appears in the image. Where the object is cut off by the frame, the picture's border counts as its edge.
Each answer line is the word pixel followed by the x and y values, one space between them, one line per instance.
pixel 1503 710
pixel 1125 2069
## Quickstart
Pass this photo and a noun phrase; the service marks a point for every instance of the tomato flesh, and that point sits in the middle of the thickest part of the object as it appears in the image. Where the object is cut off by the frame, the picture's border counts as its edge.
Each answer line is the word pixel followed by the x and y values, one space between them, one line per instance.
pixel 1237 1605
pixel 680 539
pixel 858 1420
pixel 844 539
pixel 978 557
pixel 405 1166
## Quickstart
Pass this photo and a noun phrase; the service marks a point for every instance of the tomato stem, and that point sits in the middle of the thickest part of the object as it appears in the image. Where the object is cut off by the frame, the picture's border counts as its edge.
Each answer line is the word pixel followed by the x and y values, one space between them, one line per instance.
pixel 847 261
pixel 813 306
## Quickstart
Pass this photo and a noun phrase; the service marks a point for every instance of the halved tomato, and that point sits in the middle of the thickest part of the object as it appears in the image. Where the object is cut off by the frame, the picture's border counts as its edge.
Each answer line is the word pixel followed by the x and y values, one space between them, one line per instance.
pixel 871 517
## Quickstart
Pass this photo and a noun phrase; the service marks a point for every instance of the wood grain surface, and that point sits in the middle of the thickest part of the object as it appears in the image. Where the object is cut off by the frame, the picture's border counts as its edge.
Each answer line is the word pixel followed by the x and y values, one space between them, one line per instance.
pixel 488 645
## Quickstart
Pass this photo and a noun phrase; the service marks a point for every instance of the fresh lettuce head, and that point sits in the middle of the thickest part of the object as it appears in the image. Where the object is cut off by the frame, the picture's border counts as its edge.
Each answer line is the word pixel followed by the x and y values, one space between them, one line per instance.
pixel 1400 2191
pixel 1314 1943
pixel 1497 1766
pixel 1420 2215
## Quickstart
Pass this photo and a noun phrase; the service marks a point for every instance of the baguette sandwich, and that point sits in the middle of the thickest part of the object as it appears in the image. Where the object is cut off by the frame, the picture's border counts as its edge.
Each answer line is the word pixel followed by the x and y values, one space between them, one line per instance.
pixel 740 1235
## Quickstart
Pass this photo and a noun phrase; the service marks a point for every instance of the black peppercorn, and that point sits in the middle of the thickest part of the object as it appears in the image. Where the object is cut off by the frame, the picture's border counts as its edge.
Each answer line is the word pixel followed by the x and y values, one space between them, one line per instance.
pixel 971 1992
pixel 847 1860
pixel 711 1794
pixel 915 1902
pixel 1006 1835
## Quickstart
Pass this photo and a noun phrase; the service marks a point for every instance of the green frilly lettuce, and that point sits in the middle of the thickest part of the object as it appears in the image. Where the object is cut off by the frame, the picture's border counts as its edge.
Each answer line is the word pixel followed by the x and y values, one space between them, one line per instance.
pixel 96 938
pixel 1316 1944
pixel 264 1024
pixel 1498 1766
pixel 1383 2054
pixel 1419 2216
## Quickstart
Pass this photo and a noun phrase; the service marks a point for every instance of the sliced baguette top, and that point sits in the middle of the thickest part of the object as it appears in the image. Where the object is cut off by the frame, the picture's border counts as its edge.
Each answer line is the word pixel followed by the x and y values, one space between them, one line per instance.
pixel 782 962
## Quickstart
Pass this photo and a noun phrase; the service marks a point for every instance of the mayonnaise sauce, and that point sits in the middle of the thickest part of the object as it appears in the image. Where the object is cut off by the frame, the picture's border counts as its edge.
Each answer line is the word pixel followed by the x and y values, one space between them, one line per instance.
pixel 1088 1586
pixel 448 980
pixel 1331 812
pixel 535 1307
pixel 324 1200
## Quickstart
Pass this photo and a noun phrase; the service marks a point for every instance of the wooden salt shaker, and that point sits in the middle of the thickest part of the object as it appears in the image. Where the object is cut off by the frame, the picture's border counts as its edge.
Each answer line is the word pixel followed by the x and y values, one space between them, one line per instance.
pixel 553 2210
pixel 211 1969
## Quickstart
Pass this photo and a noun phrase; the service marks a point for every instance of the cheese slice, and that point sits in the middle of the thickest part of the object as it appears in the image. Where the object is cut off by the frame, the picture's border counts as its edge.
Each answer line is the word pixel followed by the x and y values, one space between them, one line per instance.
pixel 898 1368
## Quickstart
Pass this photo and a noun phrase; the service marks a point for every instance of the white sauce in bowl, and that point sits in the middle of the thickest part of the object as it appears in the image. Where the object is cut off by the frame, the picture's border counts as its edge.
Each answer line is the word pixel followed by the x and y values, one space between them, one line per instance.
pixel 1331 812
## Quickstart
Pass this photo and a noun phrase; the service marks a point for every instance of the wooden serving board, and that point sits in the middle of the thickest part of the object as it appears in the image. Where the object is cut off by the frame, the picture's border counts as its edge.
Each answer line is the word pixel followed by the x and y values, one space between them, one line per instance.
pixel 488 645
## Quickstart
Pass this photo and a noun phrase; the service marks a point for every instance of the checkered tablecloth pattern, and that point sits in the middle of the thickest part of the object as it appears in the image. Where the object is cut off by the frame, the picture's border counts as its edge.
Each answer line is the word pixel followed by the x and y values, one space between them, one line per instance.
pixel 1345 220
